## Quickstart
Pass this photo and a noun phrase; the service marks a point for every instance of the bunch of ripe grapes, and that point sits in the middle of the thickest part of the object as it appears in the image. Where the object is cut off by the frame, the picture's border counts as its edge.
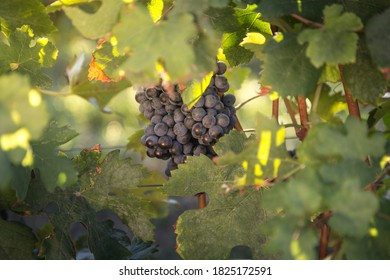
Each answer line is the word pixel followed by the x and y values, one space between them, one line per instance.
pixel 176 131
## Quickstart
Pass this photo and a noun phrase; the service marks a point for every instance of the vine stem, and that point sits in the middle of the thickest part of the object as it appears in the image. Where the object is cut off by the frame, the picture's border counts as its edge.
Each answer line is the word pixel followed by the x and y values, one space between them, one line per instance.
pixel 275 109
pixel 304 117
pixel 307 21
pixel 325 231
pixel 201 200
pixel 247 101
pixel 353 106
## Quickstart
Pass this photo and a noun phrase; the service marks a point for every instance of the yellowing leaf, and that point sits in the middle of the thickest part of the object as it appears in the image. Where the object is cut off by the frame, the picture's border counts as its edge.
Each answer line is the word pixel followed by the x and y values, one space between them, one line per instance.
pixel 195 90
pixel 155 8
pixel 253 38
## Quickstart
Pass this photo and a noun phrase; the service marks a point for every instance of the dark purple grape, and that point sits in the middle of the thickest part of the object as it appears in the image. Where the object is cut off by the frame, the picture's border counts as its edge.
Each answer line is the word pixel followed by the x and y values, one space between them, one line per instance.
pixel 198 130
pixel 170 108
pixel 149 114
pixel 226 111
pixel 222 120
pixel 189 122
pixel 156 119
pixel 212 112
pixel 151 141
pixel 176 149
pixel 221 68
pixel 161 129
pixel 161 154
pixel 150 152
pixel 209 121
pixel 164 99
pixel 210 101
pixel 180 129
pixel 198 114
pixel 199 150
pixel 178 116
pixel 219 106
pixel 160 111
pixel 224 89
pixel 184 139
pixel 143 140
pixel 216 131
pixel 165 142
pixel 200 102
pixel 210 90
pixel 175 98
pixel 149 129
pixel 187 148
pixel 229 99
pixel 156 103
pixel 184 109
pixel 147 105
pixel 140 96
pixel 170 167
pixel 151 92
pixel 179 159
pixel 171 134
pixel 232 110
pixel 168 119
pixel 206 139
pixel 220 81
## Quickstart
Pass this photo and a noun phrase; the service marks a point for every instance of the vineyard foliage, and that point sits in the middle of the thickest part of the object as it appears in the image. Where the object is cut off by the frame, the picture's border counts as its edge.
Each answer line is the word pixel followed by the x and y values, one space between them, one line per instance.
pixel 326 63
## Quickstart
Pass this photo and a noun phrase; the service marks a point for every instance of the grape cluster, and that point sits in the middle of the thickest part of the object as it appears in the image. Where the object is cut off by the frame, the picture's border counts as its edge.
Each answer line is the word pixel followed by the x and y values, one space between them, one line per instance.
pixel 175 131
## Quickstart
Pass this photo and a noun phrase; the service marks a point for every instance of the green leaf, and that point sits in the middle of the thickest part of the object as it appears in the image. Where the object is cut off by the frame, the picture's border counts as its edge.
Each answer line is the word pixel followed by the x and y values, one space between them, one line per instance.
pixel 339 33
pixel 201 234
pixel 363 79
pixel 136 27
pixel 110 183
pixel 378 113
pixel 95 25
pixel 311 9
pixel 378 38
pixel 17 13
pixel 352 209
pixel 55 170
pixel 247 21
pixel 286 61
pixel 333 143
pixel 234 141
pixel 195 90
pixel 27 55
pixel 17 241
pixel 236 77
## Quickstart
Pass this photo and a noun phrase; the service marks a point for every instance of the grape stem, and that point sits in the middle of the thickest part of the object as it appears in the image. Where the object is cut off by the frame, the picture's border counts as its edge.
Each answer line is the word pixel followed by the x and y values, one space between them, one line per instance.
pixel 303 117
pixel 238 107
pixel 353 106
pixel 201 200
pixel 275 109
pixel 307 21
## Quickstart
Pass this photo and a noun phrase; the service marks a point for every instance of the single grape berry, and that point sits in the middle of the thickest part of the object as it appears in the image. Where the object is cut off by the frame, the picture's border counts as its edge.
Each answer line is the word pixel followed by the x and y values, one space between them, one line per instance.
pixel 200 102
pixel 184 139
pixel 223 120
pixel 168 119
pixel 156 119
pixel 176 148
pixel 140 96
pixel 221 68
pixel 151 141
pixel 216 131
pixel 161 129
pixel 189 122
pixel 149 130
pixel 229 99
pixel 180 129
pixel 220 81
pixel 209 121
pixel 178 116
pixel 165 142
pixel 198 114
pixel 151 92
pixel 210 101
pixel 198 130
pixel 200 149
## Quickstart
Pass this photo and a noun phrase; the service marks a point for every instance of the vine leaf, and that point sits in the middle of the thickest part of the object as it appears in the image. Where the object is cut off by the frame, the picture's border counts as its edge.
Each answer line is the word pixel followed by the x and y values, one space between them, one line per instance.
pixel 102 20
pixel 339 30
pixel 286 61
pixel 112 183
pixel 17 13
pixel 136 30
pixel 247 22
pixel 17 241
pixel 55 170
pixel 97 92
pixel 377 36
pixel 195 89
pixel 27 55
pixel 230 219
pixel 363 77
